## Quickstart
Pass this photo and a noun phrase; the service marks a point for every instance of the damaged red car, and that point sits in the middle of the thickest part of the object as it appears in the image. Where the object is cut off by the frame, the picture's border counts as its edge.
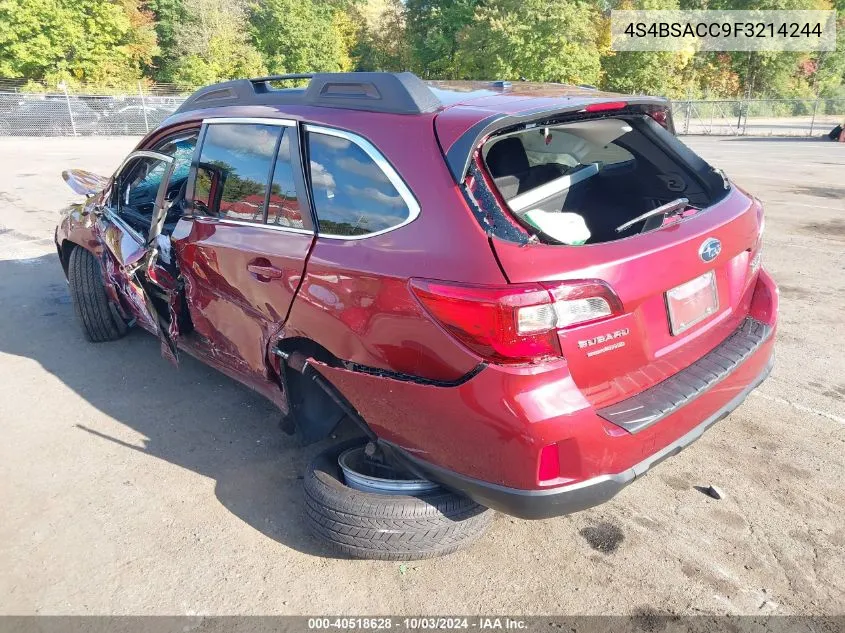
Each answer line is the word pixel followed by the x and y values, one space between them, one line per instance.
pixel 525 296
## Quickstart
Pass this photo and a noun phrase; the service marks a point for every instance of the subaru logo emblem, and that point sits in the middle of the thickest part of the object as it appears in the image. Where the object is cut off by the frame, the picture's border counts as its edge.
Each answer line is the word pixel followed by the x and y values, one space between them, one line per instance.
pixel 709 249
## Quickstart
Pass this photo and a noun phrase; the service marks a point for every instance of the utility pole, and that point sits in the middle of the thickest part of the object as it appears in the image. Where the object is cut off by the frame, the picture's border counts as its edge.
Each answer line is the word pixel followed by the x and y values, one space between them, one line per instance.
pixel 63 86
pixel 143 107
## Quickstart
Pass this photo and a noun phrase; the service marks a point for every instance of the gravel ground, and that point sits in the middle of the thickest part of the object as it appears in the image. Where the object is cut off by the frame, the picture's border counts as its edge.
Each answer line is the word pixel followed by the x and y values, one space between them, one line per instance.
pixel 131 487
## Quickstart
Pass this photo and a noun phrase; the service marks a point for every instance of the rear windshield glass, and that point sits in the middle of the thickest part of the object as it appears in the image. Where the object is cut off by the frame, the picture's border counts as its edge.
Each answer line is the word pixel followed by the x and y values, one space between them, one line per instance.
pixel 580 182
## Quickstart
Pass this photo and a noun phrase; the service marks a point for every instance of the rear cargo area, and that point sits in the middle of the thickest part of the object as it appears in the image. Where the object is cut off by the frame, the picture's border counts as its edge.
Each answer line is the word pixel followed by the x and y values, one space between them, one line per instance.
pixel 589 181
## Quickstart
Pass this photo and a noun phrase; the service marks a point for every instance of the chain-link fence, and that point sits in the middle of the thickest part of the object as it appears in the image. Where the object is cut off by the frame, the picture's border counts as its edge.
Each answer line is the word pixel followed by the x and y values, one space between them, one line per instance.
pixel 759 117
pixel 26 114
pixel 60 114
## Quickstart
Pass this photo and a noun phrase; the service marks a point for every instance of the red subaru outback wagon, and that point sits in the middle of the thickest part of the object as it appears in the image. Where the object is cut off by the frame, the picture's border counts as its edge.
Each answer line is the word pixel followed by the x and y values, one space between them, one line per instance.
pixel 524 295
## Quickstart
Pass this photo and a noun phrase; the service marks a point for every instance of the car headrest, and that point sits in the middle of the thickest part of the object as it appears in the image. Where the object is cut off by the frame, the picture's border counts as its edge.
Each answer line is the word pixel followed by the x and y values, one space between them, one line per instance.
pixel 507 157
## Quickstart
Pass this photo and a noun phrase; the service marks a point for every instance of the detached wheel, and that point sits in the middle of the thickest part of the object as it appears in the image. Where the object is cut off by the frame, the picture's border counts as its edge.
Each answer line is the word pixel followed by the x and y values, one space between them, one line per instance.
pixel 100 320
pixel 407 519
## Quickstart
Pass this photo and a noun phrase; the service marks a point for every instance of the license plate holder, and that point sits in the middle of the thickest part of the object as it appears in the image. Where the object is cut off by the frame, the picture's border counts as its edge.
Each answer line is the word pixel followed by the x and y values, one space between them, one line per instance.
pixel 692 302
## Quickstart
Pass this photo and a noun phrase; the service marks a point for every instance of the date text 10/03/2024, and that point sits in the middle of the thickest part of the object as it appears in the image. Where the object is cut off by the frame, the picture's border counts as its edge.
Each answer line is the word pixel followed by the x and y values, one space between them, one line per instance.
pixel 418 623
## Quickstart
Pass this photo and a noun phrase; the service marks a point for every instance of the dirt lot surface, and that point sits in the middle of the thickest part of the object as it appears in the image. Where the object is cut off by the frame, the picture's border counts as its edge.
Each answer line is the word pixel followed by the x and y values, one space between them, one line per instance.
pixel 128 486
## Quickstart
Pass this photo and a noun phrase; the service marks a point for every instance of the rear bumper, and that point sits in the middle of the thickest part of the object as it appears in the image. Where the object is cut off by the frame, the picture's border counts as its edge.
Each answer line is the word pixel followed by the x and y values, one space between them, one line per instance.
pixel 484 436
pixel 542 504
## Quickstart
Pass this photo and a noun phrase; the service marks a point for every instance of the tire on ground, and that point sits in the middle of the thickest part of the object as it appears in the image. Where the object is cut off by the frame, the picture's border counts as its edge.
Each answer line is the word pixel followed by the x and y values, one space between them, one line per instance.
pixel 100 321
pixel 387 527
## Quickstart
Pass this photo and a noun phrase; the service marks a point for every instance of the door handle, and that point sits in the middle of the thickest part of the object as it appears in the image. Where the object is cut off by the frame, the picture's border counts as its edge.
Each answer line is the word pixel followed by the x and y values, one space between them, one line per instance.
pixel 264 272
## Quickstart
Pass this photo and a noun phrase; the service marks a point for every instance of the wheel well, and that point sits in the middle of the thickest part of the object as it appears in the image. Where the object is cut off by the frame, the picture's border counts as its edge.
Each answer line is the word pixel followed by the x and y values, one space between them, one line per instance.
pixel 316 405
pixel 64 253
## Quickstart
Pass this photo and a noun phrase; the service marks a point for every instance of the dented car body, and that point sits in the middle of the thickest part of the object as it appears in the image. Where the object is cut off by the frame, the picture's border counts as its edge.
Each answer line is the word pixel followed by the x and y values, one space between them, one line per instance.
pixel 386 250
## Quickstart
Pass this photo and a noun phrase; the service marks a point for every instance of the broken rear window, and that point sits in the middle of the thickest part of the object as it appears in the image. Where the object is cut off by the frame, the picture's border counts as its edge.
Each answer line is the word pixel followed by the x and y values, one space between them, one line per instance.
pixel 587 181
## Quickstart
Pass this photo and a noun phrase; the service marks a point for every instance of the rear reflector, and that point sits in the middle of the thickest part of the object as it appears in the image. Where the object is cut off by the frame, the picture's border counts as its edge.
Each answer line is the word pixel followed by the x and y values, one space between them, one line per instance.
pixel 516 323
pixel 549 467
pixel 605 105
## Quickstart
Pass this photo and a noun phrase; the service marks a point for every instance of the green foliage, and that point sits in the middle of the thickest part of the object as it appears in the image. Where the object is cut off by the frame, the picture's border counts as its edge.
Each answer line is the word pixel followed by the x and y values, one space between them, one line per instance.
pixel 766 73
pixel 169 15
pixel 105 42
pixel 297 36
pixel 212 44
pixel 645 72
pixel 541 40
pixel 432 29
pixel 827 68
pixel 381 41
pixel 111 44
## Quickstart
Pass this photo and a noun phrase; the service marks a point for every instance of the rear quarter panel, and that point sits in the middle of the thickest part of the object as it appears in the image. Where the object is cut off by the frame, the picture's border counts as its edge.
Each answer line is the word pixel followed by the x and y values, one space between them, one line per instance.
pixel 355 299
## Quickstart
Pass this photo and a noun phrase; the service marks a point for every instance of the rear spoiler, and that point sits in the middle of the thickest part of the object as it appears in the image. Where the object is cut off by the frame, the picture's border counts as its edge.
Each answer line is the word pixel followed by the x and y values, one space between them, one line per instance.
pixel 459 154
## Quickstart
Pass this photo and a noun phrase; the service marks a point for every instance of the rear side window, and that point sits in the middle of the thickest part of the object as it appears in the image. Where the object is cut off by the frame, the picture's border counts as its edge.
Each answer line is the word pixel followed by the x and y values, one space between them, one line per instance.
pixel 234 170
pixel 356 192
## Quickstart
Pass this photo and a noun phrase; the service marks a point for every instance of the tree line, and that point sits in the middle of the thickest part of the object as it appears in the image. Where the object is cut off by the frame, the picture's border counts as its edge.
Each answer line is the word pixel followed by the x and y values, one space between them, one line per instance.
pixel 116 43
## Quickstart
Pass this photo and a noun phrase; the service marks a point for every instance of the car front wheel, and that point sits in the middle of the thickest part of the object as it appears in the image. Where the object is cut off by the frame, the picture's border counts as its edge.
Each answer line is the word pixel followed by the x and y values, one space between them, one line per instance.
pixel 100 320
pixel 390 515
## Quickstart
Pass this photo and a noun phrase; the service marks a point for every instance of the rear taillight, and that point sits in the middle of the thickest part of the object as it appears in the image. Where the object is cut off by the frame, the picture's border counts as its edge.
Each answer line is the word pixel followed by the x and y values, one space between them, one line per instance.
pixel 661 117
pixel 516 323
pixel 583 302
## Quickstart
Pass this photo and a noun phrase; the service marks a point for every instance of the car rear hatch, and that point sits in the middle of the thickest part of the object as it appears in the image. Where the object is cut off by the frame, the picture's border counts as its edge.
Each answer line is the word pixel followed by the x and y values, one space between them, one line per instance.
pixel 616 357
pixel 683 278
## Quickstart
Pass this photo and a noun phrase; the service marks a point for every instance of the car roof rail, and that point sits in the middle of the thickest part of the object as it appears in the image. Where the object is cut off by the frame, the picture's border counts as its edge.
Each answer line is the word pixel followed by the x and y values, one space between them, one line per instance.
pixel 393 93
pixel 288 77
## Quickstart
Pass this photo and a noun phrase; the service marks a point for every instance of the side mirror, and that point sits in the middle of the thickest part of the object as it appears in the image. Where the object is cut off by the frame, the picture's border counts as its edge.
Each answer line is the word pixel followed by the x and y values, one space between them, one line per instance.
pixel 95 208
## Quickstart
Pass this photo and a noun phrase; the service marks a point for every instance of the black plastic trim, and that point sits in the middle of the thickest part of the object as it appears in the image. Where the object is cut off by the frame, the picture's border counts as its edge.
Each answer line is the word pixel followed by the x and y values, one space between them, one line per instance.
pixel 393 93
pixel 460 153
pixel 648 407
pixel 395 375
pixel 543 504
pixel 287 77
pixel 323 356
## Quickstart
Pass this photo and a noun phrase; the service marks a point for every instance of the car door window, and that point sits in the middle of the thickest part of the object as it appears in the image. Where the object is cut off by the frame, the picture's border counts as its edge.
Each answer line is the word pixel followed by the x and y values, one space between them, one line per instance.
pixel 137 187
pixel 356 191
pixel 234 170
pixel 283 207
pixel 181 148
